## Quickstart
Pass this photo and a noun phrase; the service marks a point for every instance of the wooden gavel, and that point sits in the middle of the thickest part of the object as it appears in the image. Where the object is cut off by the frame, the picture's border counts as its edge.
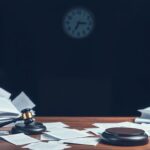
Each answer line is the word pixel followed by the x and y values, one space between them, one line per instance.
pixel 26 116
pixel 28 127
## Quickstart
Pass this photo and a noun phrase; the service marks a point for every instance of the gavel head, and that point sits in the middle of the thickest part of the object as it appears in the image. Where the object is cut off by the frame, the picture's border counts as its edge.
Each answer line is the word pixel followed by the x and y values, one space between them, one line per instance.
pixel 30 126
pixel 27 116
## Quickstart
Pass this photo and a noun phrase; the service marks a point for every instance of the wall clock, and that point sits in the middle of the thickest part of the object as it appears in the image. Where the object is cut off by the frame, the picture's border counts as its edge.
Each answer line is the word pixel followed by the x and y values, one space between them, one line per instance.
pixel 78 22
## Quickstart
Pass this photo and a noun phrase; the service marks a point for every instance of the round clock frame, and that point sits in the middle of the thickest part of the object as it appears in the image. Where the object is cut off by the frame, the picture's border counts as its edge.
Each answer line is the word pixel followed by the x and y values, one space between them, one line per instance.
pixel 78 22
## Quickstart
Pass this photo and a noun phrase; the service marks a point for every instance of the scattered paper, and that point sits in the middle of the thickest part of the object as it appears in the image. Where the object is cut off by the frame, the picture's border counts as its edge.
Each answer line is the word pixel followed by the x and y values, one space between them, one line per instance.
pixel 51 125
pixel 19 139
pixel 47 146
pixel 4 93
pixel 59 129
pixel 67 134
pixel 84 141
pixel 96 131
pixel 22 101
pixel 45 137
pixel 106 125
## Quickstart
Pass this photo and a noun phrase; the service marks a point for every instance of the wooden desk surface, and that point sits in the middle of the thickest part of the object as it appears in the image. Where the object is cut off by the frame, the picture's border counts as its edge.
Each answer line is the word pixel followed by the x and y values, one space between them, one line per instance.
pixel 80 123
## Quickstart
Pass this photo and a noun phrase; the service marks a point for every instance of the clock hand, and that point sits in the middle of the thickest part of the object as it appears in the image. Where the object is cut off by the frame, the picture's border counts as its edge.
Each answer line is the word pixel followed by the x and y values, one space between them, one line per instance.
pixel 77 25
pixel 81 22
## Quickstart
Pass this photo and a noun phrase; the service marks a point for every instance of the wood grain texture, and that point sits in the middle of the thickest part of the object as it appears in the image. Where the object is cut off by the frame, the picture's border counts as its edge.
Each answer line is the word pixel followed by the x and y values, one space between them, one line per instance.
pixel 81 123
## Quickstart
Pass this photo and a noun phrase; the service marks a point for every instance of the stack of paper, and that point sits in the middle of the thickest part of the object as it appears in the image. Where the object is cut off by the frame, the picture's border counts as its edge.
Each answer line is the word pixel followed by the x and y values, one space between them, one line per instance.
pixel 145 116
pixel 7 109
pixel 12 109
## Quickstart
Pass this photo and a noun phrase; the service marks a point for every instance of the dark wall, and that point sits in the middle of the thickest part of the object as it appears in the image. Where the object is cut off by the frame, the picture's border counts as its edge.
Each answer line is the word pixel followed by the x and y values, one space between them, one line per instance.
pixel 131 74
pixel 104 74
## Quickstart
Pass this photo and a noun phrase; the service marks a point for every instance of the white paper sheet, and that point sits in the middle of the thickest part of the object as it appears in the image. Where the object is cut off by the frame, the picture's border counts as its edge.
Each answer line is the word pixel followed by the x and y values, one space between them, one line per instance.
pixel 4 93
pixel 47 146
pixel 67 134
pixel 22 101
pixel 51 125
pixel 19 139
pixel 106 125
pixel 96 131
pixel 61 129
pixel 48 138
pixel 84 141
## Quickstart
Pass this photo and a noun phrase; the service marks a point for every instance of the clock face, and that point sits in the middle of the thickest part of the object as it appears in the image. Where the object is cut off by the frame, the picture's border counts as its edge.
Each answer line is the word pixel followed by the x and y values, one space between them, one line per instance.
pixel 78 23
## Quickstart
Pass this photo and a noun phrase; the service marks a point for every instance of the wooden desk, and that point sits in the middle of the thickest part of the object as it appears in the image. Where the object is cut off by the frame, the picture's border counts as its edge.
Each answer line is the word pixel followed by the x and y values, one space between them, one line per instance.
pixel 80 123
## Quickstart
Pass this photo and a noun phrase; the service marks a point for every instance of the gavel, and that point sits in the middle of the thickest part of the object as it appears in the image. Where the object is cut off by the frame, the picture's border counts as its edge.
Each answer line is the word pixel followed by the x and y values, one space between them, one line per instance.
pixel 29 126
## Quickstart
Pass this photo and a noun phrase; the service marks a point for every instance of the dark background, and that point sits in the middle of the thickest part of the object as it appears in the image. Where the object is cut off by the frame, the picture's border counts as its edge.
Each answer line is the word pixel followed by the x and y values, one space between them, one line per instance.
pixel 107 73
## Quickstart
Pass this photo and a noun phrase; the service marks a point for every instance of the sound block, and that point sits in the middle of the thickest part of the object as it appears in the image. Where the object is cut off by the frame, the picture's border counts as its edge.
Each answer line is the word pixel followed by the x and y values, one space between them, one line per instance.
pixel 124 136
pixel 30 129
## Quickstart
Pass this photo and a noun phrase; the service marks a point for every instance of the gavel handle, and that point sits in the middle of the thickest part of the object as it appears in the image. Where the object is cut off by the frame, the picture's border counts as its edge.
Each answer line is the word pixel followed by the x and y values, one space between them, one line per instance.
pixel 10 121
